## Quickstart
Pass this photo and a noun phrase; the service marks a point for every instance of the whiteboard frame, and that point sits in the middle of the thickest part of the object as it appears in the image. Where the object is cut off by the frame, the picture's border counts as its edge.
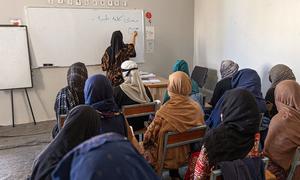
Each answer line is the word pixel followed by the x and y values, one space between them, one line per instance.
pixel 29 55
pixel 80 7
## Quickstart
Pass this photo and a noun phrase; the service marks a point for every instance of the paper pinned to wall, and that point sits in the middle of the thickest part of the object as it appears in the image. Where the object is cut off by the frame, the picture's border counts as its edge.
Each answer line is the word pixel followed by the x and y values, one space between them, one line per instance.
pixel 150 33
pixel 149 46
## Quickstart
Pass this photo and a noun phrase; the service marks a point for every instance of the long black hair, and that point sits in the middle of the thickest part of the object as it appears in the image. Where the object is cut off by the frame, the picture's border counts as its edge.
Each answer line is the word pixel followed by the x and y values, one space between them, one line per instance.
pixel 116 44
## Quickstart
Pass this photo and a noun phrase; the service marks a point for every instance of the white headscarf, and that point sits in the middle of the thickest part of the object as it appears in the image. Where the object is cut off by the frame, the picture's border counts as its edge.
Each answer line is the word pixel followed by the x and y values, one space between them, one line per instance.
pixel 133 86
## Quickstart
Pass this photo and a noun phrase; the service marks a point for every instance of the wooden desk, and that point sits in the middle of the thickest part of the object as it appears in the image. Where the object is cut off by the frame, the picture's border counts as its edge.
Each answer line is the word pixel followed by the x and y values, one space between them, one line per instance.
pixel 158 89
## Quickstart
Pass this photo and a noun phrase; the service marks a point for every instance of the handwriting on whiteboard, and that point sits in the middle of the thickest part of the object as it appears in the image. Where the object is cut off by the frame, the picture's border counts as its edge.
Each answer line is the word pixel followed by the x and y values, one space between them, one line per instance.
pixel 117 18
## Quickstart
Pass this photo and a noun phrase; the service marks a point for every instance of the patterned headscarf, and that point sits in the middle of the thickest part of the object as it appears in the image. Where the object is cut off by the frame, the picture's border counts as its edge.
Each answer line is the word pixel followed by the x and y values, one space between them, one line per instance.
pixel 279 73
pixel 228 68
pixel 71 95
pixel 76 77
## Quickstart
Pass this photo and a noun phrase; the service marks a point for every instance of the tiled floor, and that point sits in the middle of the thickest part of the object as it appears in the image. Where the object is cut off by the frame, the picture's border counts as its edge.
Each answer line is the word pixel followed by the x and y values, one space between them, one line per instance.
pixel 19 146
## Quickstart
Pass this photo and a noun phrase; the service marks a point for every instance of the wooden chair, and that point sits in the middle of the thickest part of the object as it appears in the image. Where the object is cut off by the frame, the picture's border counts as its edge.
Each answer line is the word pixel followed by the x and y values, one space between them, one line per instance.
pixel 173 139
pixel 140 110
pixel 217 174
pixel 62 119
pixel 261 120
pixel 294 164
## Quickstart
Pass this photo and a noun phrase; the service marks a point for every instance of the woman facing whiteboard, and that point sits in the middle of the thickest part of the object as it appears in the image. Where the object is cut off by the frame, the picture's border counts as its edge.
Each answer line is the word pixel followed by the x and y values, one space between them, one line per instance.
pixel 115 55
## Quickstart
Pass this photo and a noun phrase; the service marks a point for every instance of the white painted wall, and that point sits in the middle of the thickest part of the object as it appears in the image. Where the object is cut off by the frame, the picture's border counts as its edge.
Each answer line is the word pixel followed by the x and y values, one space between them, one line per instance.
pixel 255 33
pixel 174 25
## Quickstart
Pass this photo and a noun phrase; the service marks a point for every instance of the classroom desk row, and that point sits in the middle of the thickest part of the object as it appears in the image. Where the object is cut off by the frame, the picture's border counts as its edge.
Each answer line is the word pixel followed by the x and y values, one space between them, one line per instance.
pixel 158 89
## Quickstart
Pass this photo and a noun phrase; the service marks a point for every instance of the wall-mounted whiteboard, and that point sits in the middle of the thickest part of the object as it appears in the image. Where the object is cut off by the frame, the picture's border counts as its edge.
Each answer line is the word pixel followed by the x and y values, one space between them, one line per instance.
pixel 62 36
pixel 14 58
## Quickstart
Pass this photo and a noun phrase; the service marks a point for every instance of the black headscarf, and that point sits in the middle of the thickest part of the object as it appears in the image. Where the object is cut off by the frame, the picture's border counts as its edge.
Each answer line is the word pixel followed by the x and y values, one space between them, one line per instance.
pixel 81 124
pixel 234 137
pixel 116 44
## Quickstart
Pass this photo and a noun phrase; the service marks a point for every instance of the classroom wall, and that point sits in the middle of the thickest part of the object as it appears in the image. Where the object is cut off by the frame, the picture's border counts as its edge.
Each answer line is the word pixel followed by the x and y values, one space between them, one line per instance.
pixel 256 34
pixel 174 26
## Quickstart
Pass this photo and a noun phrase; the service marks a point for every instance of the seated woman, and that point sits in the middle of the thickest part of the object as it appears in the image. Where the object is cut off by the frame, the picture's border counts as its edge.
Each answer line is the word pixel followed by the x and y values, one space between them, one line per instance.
pixel 228 69
pixel 283 137
pixel 182 65
pixel 98 93
pixel 247 79
pixel 82 123
pixel 107 156
pixel 278 73
pixel 132 91
pixel 115 55
pixel 232 139
pixel 179 114
pixel 71 95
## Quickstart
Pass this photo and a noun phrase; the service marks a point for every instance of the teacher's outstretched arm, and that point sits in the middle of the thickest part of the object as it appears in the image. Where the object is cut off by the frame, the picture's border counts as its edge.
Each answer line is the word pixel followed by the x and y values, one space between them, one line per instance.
pixel 133 37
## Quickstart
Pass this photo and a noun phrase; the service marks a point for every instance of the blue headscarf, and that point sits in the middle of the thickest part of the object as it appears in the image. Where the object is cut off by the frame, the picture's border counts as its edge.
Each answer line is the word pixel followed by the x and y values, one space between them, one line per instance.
pixel 182 65
pixel 247 79
pixel 98 93
pixel 108 156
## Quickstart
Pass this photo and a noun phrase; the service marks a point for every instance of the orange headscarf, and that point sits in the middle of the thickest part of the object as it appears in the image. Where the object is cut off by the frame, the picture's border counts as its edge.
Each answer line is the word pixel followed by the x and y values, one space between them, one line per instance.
pixel 283 136
pixel 181 111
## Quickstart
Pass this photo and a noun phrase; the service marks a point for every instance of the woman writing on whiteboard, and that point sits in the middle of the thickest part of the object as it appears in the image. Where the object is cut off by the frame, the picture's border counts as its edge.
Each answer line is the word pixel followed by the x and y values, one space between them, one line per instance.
pixel 115 55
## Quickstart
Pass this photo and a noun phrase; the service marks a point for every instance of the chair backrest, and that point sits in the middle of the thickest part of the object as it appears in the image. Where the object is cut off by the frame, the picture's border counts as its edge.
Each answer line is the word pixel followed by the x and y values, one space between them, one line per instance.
pixel 199 75
pixel 138 110
pixel 261 121
pixel 174 139
pixel 294 164
pixel 217 174
pixel 62 119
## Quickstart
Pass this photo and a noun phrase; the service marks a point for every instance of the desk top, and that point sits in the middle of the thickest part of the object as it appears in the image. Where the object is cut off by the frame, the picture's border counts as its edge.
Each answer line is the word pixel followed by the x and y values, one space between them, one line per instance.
pixel 162 84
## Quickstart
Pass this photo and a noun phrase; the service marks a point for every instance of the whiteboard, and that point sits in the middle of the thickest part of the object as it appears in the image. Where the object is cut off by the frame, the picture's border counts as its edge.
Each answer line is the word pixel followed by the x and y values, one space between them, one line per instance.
pixel 62 36
pixel 14 58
